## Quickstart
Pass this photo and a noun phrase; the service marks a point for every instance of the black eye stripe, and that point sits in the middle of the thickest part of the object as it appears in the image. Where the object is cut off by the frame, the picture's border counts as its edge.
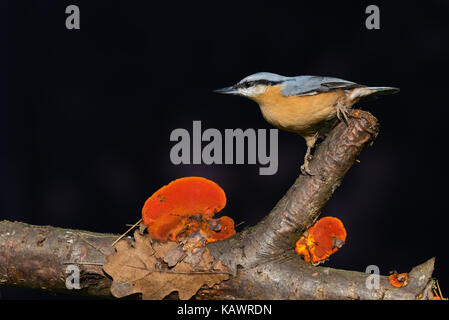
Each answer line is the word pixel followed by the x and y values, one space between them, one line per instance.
pixel 248 84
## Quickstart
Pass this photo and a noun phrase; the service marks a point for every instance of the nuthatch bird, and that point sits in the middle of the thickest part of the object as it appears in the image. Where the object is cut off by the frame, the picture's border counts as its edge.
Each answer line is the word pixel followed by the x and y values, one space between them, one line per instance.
pixel 307 105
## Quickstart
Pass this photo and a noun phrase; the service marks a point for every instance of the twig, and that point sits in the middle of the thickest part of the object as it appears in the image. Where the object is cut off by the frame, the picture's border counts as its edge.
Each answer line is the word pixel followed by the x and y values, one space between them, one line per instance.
pixel 239 224
pixel 85 263
pixel 127 231
pixel 92 245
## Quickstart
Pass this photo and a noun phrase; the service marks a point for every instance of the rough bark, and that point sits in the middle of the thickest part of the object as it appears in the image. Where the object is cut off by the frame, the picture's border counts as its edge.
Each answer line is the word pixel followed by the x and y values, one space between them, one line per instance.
pixel 261 258
pixel 37 257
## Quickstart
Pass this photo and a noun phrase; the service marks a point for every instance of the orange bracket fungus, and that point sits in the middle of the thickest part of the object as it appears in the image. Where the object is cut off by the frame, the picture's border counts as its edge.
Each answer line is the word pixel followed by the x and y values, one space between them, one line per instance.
pixel 321 240
pixel 398 280
pixel 185 206
pixel 220 229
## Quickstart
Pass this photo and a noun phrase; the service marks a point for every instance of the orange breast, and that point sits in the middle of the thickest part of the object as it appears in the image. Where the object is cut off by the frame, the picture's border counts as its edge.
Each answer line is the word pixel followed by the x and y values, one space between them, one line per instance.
pixel 301 114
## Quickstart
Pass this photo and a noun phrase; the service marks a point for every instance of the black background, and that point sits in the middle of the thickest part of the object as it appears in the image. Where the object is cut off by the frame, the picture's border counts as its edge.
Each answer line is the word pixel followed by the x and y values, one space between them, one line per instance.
pixel 86 115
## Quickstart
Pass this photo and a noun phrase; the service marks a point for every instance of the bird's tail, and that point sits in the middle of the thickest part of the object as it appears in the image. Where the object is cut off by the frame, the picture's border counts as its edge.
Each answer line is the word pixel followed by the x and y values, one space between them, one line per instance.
pixel 371 92
pixel 384 90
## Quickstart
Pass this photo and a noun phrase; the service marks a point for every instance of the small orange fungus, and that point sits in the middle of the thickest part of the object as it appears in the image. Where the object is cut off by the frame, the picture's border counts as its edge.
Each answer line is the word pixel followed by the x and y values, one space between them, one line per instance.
pixel 321 240
pixel 398 280
pixel 438 295
pixel 220 229
pixel 184 206
pixel 438 298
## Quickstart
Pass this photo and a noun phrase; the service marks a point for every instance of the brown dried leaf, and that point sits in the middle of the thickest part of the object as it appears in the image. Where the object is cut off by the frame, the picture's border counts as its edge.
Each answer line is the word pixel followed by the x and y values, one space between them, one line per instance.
pixel 174 256
pixel 161 249
pixel 144 268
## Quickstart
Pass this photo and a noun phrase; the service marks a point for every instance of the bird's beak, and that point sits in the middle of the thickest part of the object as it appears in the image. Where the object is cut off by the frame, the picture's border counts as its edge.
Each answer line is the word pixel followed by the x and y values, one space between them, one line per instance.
pixel 227 90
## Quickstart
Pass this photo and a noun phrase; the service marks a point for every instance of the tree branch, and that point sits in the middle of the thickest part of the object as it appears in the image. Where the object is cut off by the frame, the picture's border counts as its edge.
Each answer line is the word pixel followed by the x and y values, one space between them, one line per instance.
pixel 303 202
pixel 261 258
pixel 37 257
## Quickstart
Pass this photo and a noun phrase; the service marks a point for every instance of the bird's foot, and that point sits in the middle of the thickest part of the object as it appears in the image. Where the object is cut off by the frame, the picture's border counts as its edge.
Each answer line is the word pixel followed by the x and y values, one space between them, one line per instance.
pixel 342 112
pixel 306 171
pixel 305 167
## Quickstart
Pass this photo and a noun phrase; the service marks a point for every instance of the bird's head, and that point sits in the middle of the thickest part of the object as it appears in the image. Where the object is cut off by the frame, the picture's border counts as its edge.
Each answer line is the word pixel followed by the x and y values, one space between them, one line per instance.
pixel 254 85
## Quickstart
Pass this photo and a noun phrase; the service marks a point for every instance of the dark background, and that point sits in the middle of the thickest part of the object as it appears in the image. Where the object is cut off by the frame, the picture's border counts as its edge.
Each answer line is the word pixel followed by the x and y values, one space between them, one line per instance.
pixel 86 114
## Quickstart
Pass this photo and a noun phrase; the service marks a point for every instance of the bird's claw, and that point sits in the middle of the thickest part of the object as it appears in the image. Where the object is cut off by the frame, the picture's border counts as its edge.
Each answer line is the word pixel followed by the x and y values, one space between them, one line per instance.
pixel 342 112
pixel 307 158
pixel 305 168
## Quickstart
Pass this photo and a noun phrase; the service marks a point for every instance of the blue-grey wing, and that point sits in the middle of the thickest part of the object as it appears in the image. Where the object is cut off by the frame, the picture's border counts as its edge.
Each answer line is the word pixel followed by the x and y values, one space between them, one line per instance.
pixel 311 85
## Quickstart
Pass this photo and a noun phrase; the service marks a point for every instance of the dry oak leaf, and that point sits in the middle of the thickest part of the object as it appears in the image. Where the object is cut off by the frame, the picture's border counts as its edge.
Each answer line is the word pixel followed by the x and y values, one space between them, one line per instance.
pixel 140 267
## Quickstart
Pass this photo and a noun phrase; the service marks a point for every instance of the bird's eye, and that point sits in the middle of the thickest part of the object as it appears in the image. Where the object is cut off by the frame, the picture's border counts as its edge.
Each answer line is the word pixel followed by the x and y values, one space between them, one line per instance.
pixel 247 84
